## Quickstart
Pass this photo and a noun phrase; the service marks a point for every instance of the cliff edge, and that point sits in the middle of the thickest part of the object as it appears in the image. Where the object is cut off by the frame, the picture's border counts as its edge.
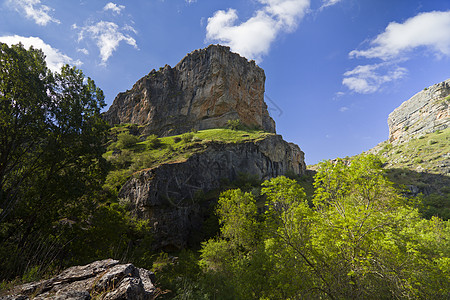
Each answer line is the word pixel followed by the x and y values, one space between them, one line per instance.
pixel 425 112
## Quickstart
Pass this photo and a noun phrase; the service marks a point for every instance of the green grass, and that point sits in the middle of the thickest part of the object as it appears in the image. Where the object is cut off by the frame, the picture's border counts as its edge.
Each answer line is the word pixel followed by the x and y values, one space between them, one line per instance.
pixel 424 153
pixel 145 155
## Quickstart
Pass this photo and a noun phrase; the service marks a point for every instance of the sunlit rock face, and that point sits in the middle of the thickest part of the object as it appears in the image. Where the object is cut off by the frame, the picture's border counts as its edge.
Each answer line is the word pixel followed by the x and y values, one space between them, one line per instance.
pixel 204 90
pixel 427 111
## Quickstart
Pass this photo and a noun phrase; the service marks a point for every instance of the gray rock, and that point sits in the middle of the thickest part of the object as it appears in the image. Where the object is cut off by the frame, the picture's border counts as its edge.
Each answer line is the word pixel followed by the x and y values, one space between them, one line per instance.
pixel 425 112
pixel 106 279
pixel 204 90
pixel 166 195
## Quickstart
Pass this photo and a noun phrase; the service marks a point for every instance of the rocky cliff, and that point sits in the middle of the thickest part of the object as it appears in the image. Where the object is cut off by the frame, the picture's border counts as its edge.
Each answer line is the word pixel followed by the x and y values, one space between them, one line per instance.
pixel 168 195
pixel 106 279
pixel 204 90
pixel 425 112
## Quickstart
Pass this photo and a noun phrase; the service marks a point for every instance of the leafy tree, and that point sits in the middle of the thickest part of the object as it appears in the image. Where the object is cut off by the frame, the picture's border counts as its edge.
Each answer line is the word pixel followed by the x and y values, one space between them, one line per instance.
pixel 51 145
pixel 359 240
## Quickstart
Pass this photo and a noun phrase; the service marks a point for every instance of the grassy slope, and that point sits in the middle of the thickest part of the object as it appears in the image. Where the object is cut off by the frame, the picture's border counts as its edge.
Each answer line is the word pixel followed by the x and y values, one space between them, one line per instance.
pixel 425 153
pixel 153 151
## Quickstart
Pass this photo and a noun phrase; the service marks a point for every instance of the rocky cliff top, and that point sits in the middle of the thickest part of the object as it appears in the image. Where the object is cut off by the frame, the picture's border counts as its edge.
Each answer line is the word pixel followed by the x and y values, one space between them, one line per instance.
pixel 204 90
pixel 427 111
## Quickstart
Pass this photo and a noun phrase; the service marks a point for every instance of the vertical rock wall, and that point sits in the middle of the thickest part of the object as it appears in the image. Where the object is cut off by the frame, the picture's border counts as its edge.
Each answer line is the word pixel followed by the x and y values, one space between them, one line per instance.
pixel 427 111
pixel 204 90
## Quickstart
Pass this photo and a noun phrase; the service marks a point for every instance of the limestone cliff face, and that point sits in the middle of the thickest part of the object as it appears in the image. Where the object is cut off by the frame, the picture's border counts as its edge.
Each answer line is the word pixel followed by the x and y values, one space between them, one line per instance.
pixel 425 112
pixel 204 90
pixel 166 195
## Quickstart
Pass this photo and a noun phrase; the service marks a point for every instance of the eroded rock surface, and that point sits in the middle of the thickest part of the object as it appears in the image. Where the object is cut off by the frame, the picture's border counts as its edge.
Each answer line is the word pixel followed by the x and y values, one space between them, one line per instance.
pixel 425 112
pixel 106 279
pixel 204 90
pixel 167 195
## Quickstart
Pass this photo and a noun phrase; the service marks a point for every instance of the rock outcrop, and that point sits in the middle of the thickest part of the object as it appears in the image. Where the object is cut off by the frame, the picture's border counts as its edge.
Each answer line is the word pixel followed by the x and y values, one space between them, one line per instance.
pixel 204 90
pixel 425 112
pixel 168 194
pixel 106 279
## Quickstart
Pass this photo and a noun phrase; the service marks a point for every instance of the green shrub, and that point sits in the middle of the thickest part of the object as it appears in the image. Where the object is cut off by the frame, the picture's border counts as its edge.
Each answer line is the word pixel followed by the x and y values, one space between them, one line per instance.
pixel 234 124
pixel 126 140
pixel 432 142
pixel 153 142
pixel 187 137
pixel 176 139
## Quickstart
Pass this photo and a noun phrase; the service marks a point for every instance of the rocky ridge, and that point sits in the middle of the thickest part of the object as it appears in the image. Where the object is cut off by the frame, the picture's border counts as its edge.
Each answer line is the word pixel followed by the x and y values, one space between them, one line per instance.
pixel 204 90
pixel 106 279
pixel 425 112
pixel 168 195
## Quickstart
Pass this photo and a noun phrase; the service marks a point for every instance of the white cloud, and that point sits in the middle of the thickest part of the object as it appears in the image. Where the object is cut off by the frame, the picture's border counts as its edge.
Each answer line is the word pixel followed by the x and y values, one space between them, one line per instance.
pixel 367 79
pixel 33 9
pixel 54 58
pixel 327 3
pixel 117 9
pixel 254 37
pixel 83 50
pixel 107 36
pixel 190 1
pixel 343 109
pixel 430 30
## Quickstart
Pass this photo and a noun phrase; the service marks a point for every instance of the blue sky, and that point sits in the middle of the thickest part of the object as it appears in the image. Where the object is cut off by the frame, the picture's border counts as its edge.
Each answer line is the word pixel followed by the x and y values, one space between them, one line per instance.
pixel 335 68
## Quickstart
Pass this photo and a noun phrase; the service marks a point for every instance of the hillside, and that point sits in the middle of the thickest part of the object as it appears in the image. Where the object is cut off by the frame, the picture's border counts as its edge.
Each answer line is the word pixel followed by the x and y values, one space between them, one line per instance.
pixel 174 181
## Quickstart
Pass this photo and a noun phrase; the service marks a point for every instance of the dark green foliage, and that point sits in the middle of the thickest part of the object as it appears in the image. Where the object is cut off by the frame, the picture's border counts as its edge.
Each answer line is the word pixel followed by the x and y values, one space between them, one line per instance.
pixel 53 212
pixel 153 142
pixel 126 140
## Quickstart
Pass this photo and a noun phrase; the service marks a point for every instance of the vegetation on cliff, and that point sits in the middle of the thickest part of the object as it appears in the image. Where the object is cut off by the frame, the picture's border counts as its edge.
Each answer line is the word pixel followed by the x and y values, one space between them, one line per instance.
pixel 354 235
pixel 358 240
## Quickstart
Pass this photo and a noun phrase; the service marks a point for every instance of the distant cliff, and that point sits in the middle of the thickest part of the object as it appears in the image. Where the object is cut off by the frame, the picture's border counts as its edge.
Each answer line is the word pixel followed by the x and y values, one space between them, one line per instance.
pixel 204 90
pixel 427 111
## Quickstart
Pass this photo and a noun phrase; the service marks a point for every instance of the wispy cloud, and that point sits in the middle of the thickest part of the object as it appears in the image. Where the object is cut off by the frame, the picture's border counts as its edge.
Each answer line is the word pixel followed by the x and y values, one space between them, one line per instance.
pixel 326 3
pixel 83 50
pixel 117 9
pixel 367 79
pixel 254 37
pixel 55 58
pixel 428 32
pixel 33 9
pixel 107 36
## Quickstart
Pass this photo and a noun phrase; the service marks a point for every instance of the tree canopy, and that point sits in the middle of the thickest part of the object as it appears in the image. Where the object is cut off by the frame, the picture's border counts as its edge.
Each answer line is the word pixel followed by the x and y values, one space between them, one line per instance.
pixel 51 145
pixel 359 240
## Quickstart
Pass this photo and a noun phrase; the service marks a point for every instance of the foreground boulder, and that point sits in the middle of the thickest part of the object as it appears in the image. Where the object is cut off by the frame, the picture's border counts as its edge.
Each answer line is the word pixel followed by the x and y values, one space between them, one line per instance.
pixel 106 279
pixel 169 195
pixel 204 90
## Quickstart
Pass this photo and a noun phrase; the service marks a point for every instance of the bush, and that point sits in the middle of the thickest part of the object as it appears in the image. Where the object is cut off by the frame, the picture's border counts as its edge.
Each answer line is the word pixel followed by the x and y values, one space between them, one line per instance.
pixel 187 137
pixel 126 140
pixel 432 142
pixel 234 124
pixel 153 142
pixel 176 139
